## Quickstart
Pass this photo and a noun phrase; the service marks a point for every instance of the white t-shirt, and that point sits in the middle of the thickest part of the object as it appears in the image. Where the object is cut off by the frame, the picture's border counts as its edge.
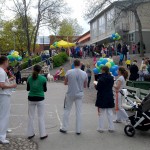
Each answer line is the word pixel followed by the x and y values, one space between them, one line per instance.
pixel 76 79
pixel 123 82
pixel 4 79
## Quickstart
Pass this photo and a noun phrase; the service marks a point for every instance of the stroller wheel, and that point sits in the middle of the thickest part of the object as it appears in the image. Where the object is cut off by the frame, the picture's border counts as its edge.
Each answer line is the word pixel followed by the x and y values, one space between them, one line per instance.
pixel 129 130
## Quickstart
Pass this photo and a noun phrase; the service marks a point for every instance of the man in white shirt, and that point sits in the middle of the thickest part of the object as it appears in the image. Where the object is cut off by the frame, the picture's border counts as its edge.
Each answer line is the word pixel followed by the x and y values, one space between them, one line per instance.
pixel 76 79
pixel 5 93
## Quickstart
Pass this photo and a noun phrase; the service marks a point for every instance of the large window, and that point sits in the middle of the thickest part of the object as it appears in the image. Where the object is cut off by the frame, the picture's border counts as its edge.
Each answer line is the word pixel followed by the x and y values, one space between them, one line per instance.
pixel 94 29
pixel 102 25
pixel 110 20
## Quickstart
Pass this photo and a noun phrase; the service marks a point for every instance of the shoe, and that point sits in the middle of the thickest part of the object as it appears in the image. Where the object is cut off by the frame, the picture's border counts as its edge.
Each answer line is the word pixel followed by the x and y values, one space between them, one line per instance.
pixel 78 133
pixel 63 131
pixel 111 131
pixel 117 121
pixel 100 131
pixel 9 131
pixel 44 137
pixel 4 142
pixel 31 137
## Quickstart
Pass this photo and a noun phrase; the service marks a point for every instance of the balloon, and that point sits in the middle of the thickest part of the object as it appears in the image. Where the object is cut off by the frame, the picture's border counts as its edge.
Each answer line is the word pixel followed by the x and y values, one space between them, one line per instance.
pixel 112 64
pixel 101 59
pixel 100 67
pixel 96 66
pixel 96 71
pixel 116 67
pixel 9 56
pixel 11 52
pixel 113 69
pixel 113 35
pixel 115 73
pixel 108 64
pixel 19 58
pixel 99 63
pixel 109 60
pixel 104 61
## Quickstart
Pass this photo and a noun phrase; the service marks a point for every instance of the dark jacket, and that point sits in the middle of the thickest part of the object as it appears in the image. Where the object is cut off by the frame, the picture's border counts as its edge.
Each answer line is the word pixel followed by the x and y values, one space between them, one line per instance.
pixel 105 93
pixel 134 73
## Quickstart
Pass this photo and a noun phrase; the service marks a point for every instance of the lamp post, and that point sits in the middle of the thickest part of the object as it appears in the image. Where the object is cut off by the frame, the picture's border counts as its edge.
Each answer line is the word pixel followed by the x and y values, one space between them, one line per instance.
pixel 14 30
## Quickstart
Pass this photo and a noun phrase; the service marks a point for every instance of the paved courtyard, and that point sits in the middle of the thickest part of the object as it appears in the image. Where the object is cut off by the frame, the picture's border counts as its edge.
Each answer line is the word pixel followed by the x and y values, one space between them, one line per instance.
pixel 90 138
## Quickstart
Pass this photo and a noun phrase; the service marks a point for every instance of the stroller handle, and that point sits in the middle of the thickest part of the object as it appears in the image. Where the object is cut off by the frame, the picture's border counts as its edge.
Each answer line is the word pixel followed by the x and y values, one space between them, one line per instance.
pixel 128 100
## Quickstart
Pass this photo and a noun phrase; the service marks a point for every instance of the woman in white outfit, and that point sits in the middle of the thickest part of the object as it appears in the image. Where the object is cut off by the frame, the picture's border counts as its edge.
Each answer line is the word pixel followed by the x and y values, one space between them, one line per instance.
pixel 5 95
pixel 120 84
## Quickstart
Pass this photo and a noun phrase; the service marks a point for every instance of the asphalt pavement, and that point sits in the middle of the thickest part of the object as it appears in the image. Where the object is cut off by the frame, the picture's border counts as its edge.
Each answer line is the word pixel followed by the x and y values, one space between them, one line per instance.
pixel 90 139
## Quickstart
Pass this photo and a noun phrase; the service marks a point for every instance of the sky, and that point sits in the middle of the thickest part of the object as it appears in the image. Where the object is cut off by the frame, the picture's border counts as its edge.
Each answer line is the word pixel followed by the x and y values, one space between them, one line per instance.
pixel 77 8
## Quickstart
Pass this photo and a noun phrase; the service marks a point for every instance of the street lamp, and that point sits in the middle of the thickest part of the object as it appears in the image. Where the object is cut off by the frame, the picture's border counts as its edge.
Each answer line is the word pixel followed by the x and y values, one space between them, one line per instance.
pixel 14 30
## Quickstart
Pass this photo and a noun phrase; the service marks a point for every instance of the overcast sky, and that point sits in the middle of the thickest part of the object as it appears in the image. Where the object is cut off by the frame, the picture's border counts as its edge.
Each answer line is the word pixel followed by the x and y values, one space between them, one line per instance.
pixel 77 7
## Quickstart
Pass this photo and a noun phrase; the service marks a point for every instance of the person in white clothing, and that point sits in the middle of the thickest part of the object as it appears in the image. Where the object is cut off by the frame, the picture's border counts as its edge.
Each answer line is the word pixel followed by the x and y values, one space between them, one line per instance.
pixel 5 95
pixel 76 79
pixel 120 84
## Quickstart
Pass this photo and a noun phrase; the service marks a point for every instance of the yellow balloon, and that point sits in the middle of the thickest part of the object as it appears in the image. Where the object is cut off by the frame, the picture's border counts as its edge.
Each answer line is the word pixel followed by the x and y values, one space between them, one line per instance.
pixel 108 64
pixel 109 60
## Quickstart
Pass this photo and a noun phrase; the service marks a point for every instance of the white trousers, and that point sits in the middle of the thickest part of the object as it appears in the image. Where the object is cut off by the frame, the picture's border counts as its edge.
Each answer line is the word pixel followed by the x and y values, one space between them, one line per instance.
pixel 41 117
pixel 4 115
pixel 103 113
pixel 121 114
pixel 67 109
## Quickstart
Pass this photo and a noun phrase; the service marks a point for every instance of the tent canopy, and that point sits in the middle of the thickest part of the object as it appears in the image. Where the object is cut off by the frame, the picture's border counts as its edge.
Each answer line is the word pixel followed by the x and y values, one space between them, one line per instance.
pixel 63 44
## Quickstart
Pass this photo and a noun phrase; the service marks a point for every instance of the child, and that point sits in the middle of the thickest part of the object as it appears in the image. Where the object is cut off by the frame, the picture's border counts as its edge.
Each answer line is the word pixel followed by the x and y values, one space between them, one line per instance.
pixel 128 63
pixel 89 74
pixel 121 59
pixel 142 72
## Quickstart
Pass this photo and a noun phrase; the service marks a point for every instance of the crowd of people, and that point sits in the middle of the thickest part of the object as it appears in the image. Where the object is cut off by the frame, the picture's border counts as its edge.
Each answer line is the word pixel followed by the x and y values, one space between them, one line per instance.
pixel 77 78
pixel 141 73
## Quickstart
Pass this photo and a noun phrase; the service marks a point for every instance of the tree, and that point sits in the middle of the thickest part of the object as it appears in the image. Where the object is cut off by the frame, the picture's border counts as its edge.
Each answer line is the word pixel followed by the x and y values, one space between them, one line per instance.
pixel 123 6
pixel 70 27
pixel 9 37
pixel 45 9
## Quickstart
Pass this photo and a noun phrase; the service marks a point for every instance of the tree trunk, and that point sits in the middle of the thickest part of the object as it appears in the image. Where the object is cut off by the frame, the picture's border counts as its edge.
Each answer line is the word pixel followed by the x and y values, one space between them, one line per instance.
pixel 140 32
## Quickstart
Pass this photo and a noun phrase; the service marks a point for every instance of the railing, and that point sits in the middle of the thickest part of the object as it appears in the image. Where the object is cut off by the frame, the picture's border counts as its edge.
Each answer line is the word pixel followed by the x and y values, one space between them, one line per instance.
pixel 28 71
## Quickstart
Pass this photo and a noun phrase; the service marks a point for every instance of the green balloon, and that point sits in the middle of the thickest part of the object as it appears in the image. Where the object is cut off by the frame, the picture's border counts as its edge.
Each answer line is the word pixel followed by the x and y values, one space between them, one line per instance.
pixel 112 64
pixel 100 67
pixel 101 59
pixel 9 56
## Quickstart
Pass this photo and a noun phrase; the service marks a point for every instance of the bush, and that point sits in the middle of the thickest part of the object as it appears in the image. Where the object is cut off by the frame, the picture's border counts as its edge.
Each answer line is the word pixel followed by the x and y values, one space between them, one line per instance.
pixel 60 59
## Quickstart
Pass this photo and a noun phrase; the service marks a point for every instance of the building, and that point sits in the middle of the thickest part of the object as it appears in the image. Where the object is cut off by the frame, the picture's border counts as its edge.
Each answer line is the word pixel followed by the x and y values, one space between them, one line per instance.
pixel 84 39
pixel 105 24
pixel 43 42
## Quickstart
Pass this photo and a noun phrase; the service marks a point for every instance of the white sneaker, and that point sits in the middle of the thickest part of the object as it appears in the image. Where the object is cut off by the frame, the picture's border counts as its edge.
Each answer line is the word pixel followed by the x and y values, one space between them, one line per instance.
pixel 111 131
pixel 9 131
pixel 4 141
pixel 100 130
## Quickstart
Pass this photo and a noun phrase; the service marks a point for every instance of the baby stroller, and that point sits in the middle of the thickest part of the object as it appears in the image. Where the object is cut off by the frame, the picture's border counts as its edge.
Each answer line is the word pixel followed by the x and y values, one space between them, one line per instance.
pixel 141 119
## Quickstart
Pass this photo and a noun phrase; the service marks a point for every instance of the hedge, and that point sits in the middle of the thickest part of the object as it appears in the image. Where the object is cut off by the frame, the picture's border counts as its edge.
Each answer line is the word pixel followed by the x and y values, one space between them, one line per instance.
pixel 60 59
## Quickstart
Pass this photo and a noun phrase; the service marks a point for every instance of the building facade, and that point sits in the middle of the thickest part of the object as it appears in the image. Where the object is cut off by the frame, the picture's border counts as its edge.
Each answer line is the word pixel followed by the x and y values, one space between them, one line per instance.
pixel 112 20
pixel 43 43
pixel 84 39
